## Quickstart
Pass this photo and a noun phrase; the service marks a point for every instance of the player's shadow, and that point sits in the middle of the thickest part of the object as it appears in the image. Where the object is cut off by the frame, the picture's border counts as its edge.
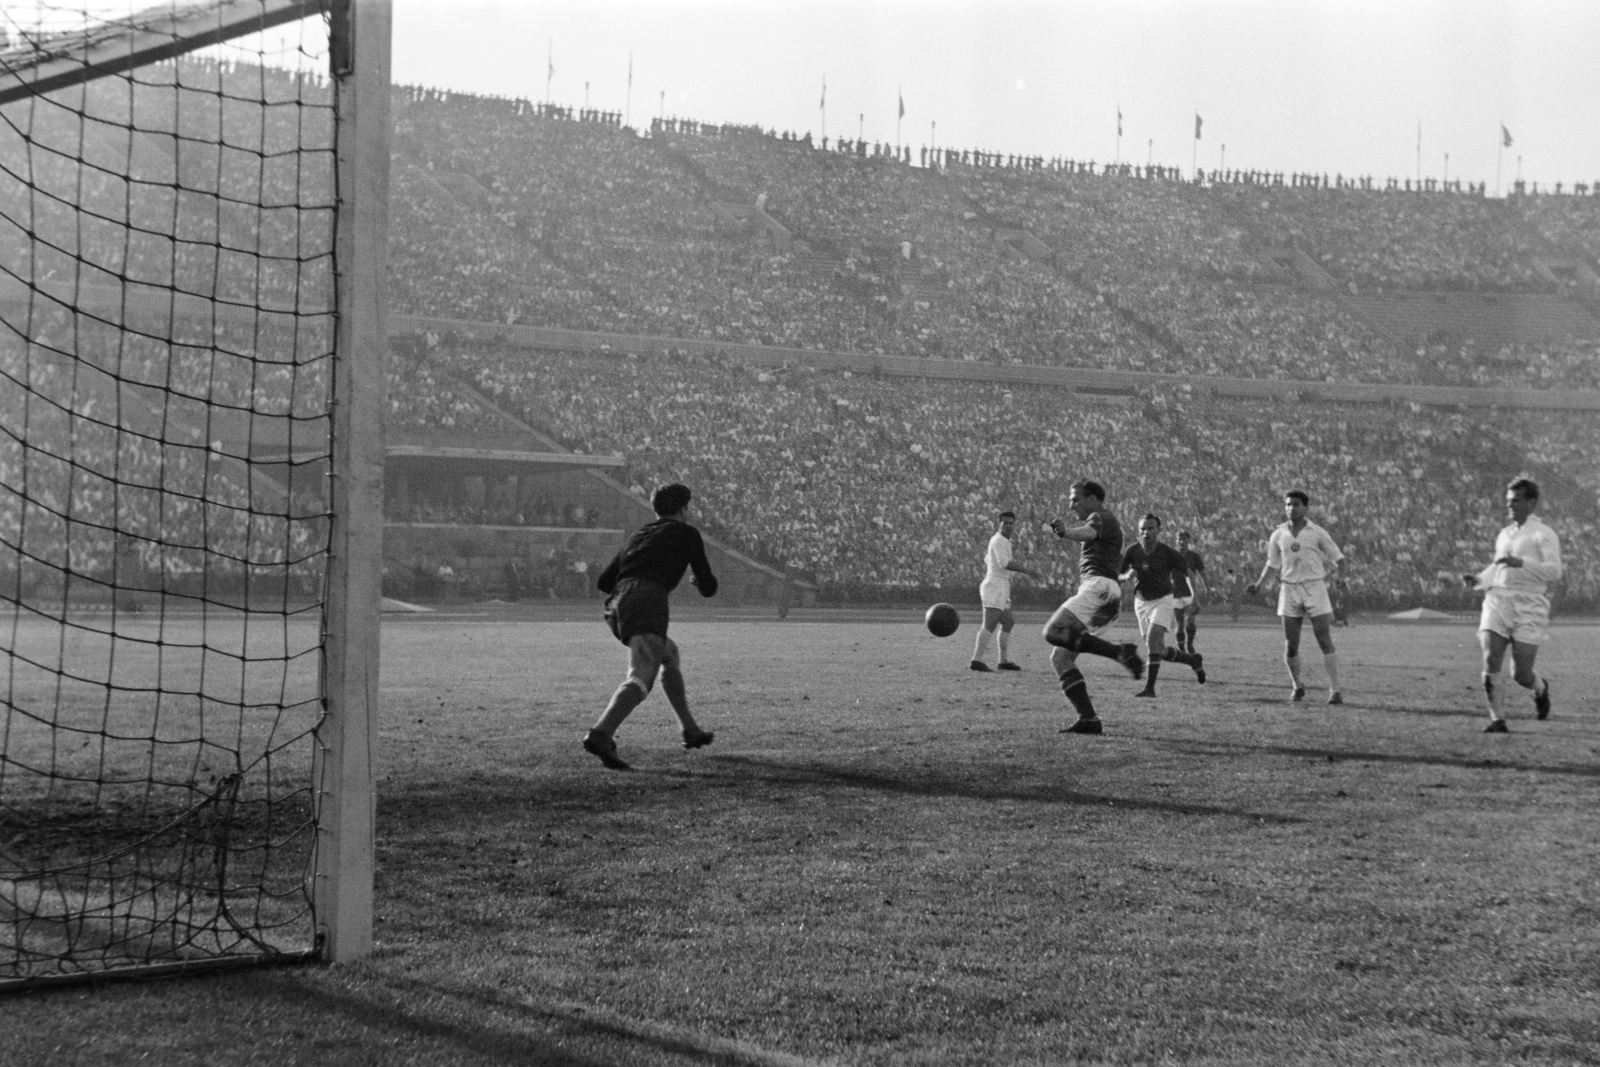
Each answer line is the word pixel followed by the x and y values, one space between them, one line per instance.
pixel 990 784
pixel 1345 755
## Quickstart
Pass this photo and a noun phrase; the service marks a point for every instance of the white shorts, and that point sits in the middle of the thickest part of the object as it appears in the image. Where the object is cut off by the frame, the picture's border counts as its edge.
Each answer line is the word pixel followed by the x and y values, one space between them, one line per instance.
pixel 1158 612
pixel 1097 603
pixel 1304 599
pixel 1181 602
pixel 996 593
pixel 1520 617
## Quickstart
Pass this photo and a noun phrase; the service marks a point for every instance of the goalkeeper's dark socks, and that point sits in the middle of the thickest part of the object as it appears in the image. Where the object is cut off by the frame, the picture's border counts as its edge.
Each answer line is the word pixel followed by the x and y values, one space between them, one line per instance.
pixel 1173 655
pixel 1077 692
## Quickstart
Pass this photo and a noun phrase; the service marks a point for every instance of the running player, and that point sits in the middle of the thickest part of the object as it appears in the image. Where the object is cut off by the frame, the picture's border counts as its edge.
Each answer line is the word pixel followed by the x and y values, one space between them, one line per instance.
pixel 995 592
pixel 1302 554
pixel 1516 604
pixel 1155 569
pixel 639 578
pixel 1076 625
pixel 1188 592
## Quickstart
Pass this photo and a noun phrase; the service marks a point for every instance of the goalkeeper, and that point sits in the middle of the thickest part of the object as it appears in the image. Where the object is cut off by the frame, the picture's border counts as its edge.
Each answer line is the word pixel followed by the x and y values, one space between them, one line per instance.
pixel 637 582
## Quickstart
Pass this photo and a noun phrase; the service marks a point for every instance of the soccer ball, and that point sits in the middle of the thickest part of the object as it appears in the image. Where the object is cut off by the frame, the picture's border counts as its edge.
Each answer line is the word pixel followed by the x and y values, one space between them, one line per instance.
pixel 942 620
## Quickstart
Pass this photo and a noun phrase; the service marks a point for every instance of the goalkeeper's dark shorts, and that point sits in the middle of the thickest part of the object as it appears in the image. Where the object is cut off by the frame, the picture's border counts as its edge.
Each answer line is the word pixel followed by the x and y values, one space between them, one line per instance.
pixel 641 608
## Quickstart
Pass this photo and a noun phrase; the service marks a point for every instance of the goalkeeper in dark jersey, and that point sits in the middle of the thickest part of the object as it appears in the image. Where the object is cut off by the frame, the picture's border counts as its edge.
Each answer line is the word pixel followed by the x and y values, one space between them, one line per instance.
pixel 637 582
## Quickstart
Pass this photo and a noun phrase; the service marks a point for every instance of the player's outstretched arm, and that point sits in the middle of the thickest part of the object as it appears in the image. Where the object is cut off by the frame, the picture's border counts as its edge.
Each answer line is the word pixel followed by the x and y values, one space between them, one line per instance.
pixel 1085 532
pixel 1266 572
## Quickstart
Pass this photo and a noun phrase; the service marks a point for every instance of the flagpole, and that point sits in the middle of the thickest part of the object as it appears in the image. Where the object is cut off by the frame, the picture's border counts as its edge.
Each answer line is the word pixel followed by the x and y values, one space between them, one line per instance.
pixel 900 97
pixel 549 70
pixel 1119 131
pixel 1194 154
pixel 627 108
pixel 1419 154
pixel 1499 156
pixel 824 106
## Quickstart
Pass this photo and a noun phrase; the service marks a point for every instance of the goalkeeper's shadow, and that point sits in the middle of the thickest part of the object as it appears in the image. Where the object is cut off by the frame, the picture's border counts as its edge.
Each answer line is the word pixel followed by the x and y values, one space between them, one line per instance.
pixel 999 786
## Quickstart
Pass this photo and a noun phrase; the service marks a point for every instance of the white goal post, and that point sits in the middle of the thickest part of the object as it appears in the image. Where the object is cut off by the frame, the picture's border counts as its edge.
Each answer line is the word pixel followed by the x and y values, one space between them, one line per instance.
pixel 193 260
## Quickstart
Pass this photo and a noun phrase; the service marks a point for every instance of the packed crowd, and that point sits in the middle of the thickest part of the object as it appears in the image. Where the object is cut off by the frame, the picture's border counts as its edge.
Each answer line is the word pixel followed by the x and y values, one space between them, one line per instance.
pixel 1386 240
pixel 103 483
pixel 505 213
pixel 874 485
pixel 111 190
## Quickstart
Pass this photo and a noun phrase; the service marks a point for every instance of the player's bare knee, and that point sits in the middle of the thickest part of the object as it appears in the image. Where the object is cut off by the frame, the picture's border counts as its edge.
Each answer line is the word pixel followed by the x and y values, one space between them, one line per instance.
pixel 1060 632
pixel 1061 660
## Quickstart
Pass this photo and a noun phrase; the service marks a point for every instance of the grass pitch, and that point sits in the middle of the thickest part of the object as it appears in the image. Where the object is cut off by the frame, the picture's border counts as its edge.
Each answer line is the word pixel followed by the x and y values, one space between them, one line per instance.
pixel 886 858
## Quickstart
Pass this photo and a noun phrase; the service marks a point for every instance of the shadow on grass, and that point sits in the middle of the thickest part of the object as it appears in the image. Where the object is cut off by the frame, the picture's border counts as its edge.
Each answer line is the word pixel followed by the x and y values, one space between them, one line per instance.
pixel 1345 755
pixel 935 785
pixel 493 1025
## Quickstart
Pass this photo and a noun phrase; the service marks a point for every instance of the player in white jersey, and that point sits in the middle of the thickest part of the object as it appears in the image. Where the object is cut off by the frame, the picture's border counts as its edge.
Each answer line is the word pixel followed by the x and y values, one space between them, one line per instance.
pixel 995 592
pixel 1516 603
pixel 1303 555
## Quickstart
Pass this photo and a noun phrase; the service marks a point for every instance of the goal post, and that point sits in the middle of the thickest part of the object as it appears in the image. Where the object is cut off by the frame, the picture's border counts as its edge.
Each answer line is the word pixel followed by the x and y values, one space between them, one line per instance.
pixel 345 825
pixel 193 217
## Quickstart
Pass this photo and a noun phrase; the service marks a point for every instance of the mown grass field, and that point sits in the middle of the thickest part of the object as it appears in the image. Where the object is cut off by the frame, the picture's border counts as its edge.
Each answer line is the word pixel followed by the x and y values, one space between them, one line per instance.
pixel 888 859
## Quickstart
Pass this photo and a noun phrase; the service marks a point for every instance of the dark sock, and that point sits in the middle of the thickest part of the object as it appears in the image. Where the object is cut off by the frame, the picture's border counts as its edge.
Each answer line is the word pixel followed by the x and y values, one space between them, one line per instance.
pixel 1095 646
pixel 1077 691
pixel 1152 669
pixel 1172 655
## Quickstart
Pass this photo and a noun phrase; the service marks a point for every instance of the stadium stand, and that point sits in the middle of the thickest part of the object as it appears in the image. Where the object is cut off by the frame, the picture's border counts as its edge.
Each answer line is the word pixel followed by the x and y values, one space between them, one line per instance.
pixel 1236 308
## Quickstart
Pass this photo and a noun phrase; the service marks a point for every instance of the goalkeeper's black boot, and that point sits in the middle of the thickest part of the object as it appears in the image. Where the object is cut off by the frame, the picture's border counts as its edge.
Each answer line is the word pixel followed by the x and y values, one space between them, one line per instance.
pixel 604 749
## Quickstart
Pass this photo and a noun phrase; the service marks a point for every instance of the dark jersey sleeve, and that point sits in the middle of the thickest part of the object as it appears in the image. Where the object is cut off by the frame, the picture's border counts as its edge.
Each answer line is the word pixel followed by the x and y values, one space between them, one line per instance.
pixel 700 566
pixel 607 582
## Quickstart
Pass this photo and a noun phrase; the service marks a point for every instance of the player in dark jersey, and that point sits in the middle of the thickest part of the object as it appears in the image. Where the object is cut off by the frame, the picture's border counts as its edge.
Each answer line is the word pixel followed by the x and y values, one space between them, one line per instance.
pixel 638 580
pixel 1189 593
pixel 1076 625
pixel 1155 570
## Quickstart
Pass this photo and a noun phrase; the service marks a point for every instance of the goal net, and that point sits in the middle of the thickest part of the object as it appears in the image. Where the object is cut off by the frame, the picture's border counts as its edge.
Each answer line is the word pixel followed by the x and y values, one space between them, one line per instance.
pixel 167 371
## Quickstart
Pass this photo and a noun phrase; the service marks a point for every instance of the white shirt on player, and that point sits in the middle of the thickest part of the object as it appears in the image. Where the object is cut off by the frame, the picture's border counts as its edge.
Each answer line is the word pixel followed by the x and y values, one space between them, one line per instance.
pixel 1306 556
pixel 1540 551
pixel 996 588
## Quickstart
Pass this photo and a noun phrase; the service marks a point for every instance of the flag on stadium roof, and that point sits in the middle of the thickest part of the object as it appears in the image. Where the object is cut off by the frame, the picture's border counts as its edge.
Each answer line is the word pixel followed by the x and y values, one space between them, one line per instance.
pixel 1505 136
pixel 1197 121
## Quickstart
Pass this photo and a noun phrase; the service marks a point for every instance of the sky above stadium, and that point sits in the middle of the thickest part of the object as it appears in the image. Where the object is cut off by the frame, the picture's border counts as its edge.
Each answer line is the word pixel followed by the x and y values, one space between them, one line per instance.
pixel 1334 86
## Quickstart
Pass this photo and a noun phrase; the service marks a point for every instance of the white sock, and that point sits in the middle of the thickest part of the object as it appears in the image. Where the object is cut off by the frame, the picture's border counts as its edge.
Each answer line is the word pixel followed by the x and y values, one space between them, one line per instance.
pixel 1330 660
pixel 1491 694
pixel 980 650
pixel 1293 663
pixel 1004 639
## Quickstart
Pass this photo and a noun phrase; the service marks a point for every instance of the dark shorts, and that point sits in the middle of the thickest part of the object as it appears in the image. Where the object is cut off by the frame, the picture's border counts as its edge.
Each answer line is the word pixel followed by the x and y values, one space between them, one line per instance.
pixel 641 609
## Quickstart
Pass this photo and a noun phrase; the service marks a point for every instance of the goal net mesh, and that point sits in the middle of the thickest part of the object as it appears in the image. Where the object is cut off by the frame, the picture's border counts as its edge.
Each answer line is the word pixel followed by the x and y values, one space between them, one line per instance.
pixel 167 201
